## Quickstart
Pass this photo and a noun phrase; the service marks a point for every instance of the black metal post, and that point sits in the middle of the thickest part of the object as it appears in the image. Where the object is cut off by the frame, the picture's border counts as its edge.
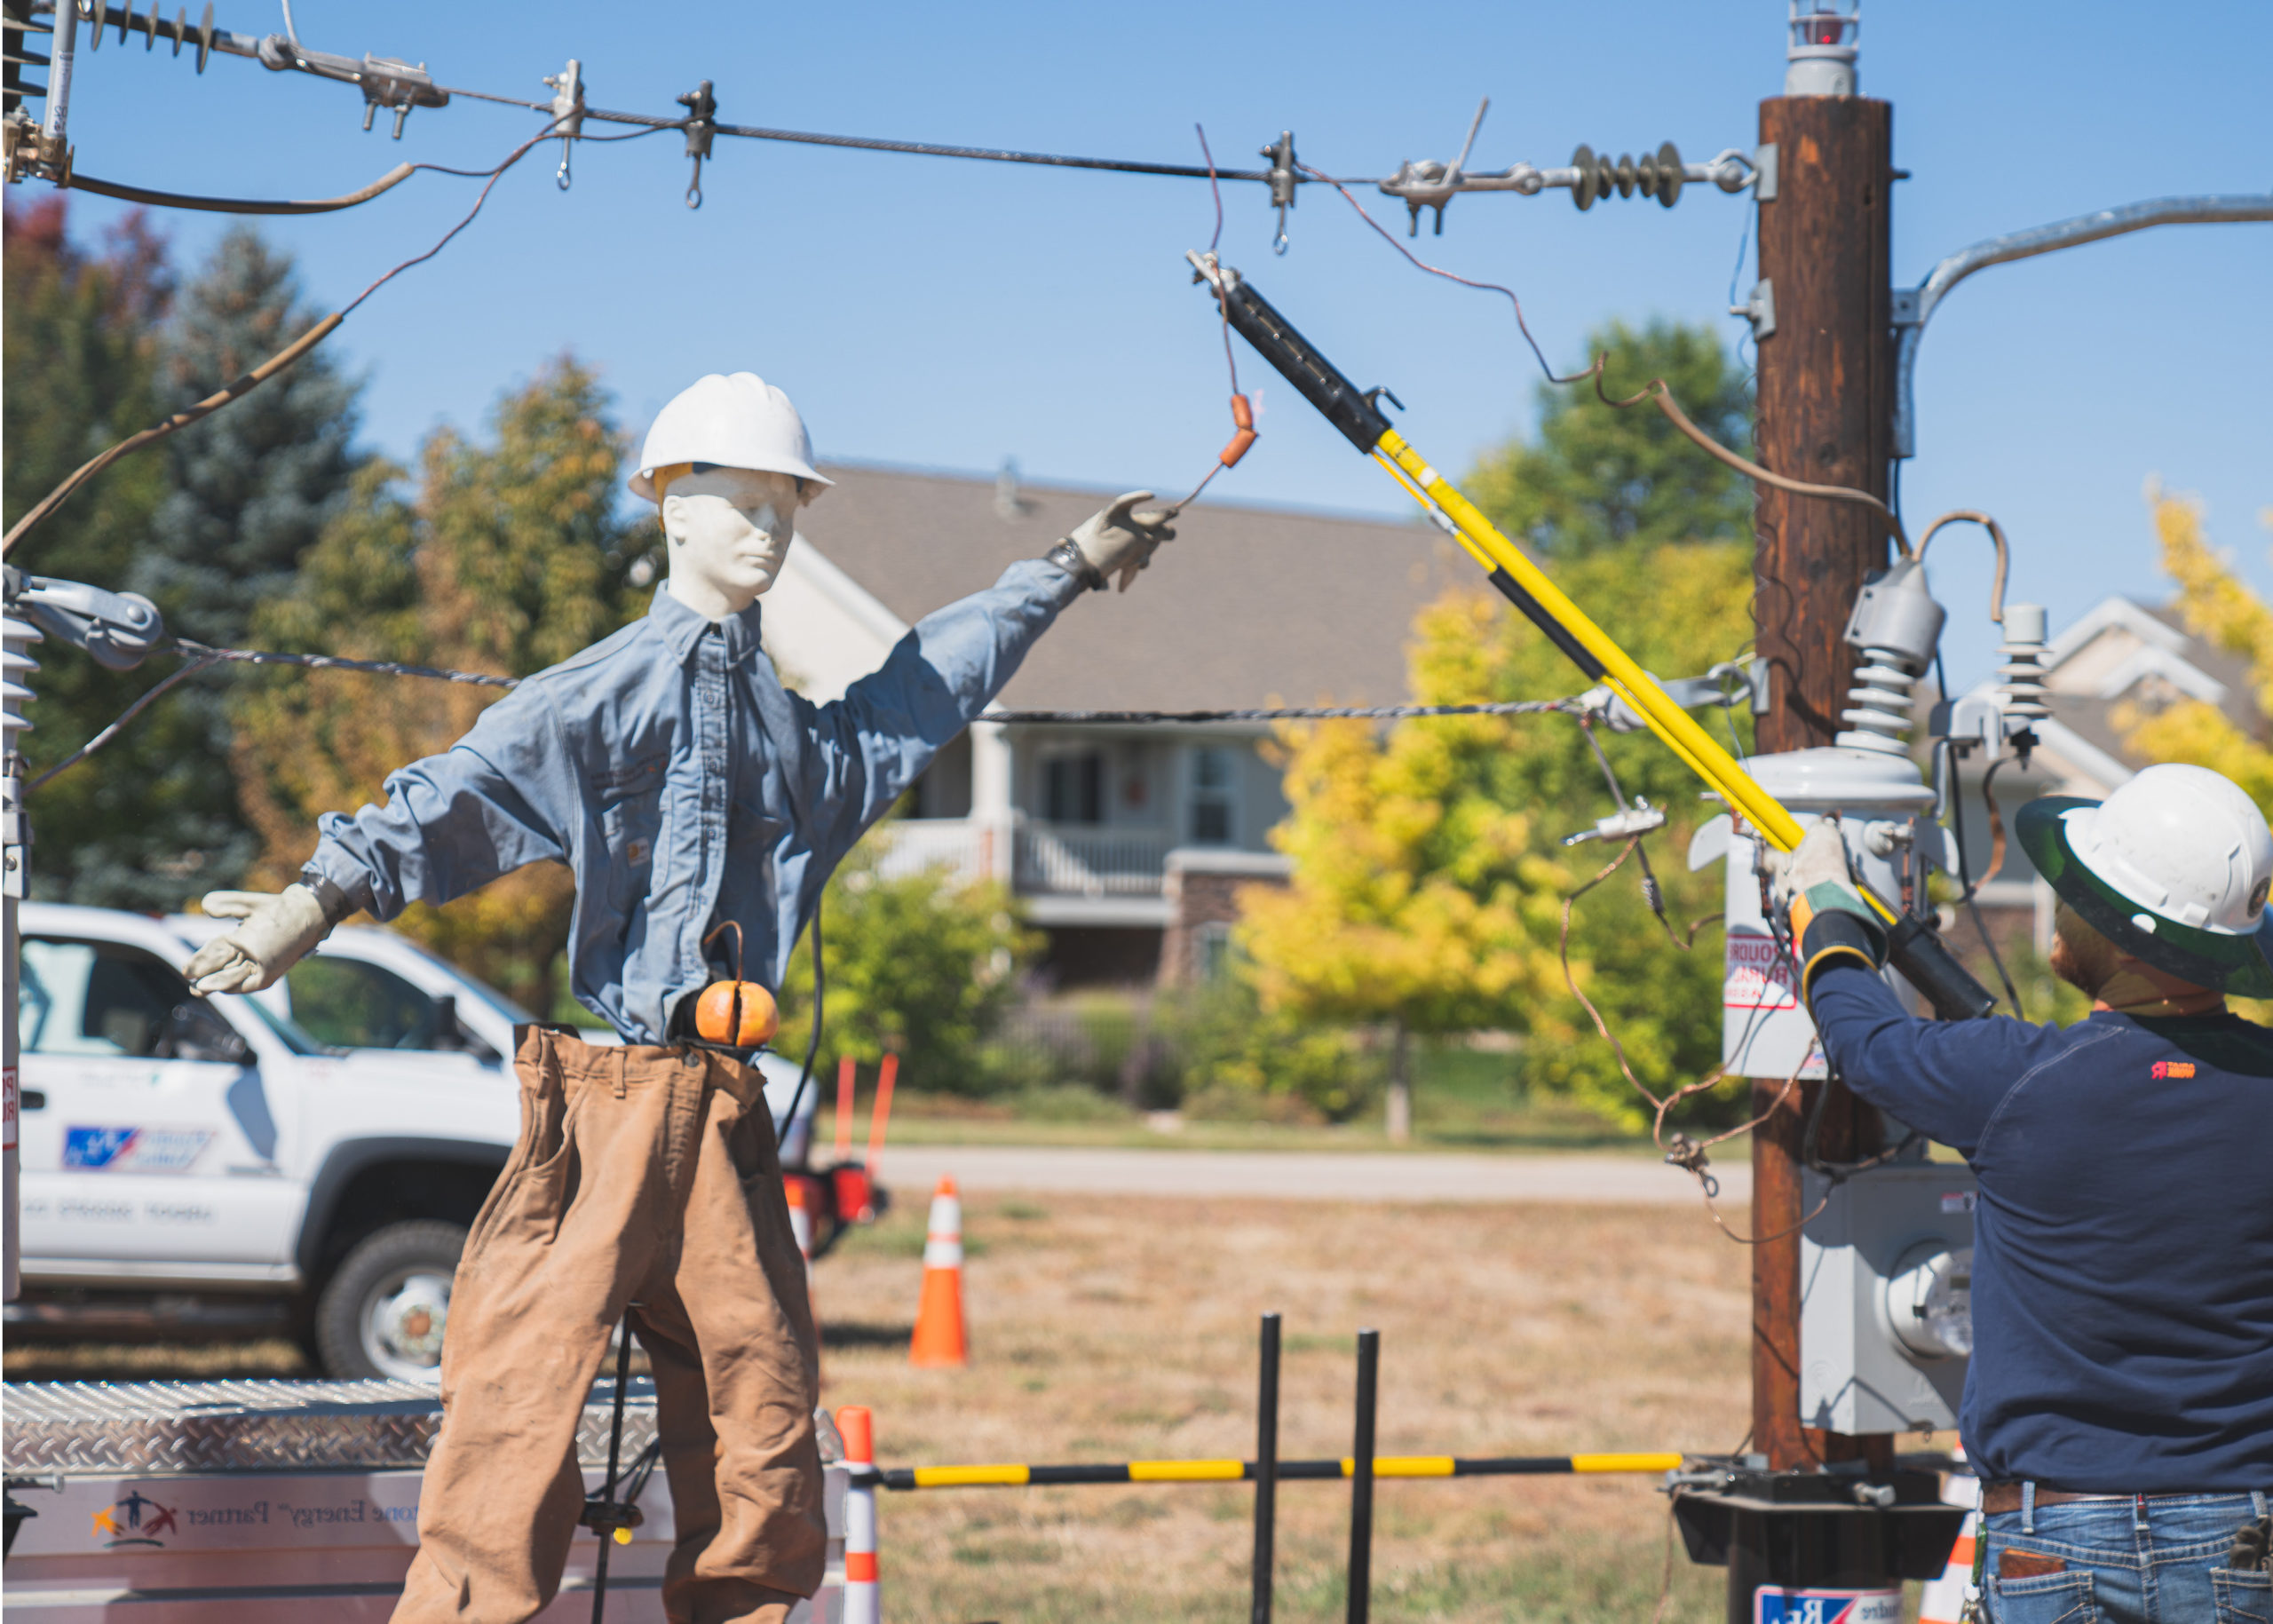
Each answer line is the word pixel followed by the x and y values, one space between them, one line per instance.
pixel 615 1457
pixel 1361 1477
pixel 1266 1469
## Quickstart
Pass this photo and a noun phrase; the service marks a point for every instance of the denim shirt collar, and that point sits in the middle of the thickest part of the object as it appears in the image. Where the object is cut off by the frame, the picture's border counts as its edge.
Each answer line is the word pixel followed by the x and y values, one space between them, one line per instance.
pixel 680 628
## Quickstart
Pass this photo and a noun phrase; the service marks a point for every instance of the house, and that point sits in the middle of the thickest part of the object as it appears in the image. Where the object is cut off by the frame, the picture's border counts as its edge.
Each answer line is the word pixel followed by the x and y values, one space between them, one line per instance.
pixel 2117 653
pixel 1128 844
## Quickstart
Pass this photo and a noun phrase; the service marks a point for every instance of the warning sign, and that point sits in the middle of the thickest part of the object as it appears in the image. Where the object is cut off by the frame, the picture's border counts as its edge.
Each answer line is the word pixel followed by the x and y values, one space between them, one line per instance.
pixel 1759 975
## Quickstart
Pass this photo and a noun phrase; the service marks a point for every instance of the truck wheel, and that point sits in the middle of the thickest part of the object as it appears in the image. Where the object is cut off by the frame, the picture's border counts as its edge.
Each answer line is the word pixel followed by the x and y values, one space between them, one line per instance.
pixel 382 1313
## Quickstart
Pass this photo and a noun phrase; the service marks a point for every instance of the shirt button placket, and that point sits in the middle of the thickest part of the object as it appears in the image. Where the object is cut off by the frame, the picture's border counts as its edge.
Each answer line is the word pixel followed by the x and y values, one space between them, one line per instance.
pixel 711 731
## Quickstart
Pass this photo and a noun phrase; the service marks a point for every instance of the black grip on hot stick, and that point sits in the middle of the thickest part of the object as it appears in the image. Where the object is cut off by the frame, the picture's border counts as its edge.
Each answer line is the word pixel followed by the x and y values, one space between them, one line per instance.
pixel 1275 339
pixel 1921 957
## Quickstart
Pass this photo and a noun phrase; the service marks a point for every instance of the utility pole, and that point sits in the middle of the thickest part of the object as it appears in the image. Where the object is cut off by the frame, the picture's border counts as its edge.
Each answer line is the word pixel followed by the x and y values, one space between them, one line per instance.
pixel 1824 415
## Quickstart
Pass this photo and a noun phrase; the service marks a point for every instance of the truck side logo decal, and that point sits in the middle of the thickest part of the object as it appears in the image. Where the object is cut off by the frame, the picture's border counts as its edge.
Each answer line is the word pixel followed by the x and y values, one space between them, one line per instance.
pixel 133 1150
pixel 136 1520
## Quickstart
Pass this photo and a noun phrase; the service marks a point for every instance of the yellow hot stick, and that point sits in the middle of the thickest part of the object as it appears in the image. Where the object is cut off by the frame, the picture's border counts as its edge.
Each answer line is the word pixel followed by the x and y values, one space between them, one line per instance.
pixel 1475 550
pixel 1673 725
pixel 1650 703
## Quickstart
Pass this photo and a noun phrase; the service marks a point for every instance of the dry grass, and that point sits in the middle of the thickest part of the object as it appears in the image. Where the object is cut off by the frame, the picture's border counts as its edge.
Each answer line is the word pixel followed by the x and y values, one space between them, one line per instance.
pixel 1111 1329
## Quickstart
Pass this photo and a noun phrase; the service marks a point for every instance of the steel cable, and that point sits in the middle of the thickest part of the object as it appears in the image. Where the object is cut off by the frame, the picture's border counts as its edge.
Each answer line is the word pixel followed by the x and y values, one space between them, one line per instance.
pixel 259 375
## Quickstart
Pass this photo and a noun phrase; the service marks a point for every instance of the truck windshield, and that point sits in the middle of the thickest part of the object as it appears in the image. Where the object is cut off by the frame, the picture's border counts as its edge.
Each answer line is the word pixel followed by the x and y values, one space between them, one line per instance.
pixel 287 1034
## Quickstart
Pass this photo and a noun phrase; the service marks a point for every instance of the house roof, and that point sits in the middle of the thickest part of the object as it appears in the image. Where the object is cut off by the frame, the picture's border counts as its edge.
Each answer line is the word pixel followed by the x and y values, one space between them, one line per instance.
pixel 1248 606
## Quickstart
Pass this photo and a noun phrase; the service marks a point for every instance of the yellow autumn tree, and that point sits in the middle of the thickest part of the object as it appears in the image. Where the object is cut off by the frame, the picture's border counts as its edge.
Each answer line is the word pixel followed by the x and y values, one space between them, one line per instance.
pixel 1428 864
pixel 2216 607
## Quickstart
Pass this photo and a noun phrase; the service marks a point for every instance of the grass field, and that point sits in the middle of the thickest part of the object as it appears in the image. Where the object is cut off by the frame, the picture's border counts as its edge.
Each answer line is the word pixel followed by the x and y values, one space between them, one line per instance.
pixel 1106 1329
pixel 1111 1329
pixel 1462 1100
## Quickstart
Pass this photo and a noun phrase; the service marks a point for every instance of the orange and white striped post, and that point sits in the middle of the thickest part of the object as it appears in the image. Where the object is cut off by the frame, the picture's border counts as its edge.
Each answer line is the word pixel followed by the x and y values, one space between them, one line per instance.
pixel 1942 1601
pixel 863 1596
pixel 799 1193
pixel 940 1342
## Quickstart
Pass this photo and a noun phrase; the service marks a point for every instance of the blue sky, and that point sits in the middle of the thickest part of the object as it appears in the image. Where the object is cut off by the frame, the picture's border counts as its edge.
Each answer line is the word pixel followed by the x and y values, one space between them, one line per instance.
pixel 944 313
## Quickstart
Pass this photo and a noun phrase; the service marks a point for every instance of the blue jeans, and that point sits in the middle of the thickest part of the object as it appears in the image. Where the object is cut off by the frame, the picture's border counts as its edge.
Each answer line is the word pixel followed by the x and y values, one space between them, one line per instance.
pixel 2157 1561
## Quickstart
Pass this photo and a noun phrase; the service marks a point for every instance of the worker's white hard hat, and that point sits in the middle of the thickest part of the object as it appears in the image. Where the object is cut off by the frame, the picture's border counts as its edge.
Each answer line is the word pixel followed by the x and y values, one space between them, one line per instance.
pixel 737 421
pixel 2174 868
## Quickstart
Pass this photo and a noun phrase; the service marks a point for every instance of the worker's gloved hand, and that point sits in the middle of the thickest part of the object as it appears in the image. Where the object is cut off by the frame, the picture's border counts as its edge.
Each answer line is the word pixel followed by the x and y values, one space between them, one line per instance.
pixel 1814 893
pixel 280 930
pixel 1820 859
pixel 1118 541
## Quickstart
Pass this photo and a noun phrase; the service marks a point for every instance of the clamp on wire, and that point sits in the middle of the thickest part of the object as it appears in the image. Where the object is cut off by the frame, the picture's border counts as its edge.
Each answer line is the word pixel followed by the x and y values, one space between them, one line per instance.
pixel 1283 182
pixel 701 124
pixel 567 88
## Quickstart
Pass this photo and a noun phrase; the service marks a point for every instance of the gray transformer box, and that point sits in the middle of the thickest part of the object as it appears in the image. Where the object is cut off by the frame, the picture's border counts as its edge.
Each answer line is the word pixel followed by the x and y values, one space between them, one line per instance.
pixel 1882 1241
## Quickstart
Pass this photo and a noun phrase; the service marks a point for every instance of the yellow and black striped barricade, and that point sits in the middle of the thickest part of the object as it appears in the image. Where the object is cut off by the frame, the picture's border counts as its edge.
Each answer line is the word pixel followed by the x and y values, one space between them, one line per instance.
pixel 1019 1476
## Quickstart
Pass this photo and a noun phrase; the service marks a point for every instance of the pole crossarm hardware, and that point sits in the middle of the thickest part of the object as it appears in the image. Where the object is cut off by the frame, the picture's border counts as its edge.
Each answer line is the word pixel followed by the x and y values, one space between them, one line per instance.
pixel 401 86
pixel 1913 307
pixel 1016 1475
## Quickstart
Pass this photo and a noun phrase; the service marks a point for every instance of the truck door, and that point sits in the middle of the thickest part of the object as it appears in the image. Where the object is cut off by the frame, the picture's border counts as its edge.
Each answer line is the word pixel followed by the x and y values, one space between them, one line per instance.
pixel 146 1133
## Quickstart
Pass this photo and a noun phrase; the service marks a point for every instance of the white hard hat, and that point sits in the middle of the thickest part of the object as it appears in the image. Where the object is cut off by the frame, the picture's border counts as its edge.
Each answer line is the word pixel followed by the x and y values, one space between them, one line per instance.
pixel 2175 867
pixel 737 421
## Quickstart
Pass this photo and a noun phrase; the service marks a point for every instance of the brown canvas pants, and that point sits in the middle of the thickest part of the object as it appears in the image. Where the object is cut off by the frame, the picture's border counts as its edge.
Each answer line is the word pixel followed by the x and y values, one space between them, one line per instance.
pixel 643 1176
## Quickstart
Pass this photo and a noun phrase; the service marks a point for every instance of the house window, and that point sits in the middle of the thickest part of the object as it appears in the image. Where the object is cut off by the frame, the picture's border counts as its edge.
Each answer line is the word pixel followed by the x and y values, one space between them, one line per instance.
pixel 1073 788
pixel 1215 796
pixel 1211 952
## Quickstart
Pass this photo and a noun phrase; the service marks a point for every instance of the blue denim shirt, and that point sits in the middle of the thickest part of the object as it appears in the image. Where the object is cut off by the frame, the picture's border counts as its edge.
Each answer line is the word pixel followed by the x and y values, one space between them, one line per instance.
pixel 683 786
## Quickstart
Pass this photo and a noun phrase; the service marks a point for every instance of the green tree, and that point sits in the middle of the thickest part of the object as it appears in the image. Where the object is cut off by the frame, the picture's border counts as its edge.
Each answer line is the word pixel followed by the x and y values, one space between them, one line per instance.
pixel 508 558
pixel 918 964
pixel 1429 871
pixel 1598 478
pixel 77 375
pixel 155 818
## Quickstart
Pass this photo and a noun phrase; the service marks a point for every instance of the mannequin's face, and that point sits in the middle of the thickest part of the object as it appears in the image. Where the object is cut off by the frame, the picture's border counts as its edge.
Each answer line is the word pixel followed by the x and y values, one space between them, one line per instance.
pixel 728 530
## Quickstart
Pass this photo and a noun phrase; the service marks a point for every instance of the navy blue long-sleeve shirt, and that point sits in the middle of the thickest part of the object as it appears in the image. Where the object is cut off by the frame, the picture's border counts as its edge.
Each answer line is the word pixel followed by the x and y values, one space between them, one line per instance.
pixel 2123 1243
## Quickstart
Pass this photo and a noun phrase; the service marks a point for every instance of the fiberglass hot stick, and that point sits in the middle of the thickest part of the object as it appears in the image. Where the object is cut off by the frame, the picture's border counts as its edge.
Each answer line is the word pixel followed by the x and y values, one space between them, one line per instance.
pixel 1516 577
pixel 1915 950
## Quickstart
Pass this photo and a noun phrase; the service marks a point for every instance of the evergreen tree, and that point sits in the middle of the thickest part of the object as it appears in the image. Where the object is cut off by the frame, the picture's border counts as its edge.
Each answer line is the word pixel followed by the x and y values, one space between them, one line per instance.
pixel 207 525
pixel 78 374
pixel 252 485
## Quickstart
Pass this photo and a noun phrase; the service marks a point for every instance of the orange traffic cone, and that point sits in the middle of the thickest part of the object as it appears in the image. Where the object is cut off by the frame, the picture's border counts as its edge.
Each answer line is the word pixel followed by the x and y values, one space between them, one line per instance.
pixel 938 1342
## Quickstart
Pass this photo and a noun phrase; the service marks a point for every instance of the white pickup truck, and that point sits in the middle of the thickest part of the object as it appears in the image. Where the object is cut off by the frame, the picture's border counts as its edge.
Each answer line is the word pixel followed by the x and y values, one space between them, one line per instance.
pixel 208 1165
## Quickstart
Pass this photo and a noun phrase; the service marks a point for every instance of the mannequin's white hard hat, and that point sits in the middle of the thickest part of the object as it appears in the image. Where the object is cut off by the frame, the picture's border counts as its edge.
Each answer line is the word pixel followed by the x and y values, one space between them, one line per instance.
pixel 729 421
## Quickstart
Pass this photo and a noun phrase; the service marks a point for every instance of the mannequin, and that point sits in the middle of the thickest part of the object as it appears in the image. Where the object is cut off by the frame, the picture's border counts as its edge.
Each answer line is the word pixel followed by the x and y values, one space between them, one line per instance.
pixel 727 531
pixel 685 789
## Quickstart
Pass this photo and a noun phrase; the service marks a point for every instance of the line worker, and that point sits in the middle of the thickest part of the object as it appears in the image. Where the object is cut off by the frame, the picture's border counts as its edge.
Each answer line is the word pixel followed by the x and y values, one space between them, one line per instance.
pixel 2119 1407
pixel 684 787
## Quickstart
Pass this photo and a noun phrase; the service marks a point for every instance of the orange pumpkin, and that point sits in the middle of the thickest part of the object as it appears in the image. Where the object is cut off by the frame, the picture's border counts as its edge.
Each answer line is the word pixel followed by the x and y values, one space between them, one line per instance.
pixel 739 1014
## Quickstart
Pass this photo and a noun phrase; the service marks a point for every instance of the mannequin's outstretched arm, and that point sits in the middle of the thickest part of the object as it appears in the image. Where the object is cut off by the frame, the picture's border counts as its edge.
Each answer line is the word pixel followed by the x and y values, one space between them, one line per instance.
pixel 862 752
pixel 502 797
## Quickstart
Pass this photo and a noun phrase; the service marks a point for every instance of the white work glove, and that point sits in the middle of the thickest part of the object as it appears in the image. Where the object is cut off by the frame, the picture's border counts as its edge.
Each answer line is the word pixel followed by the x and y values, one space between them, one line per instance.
pixel 280 930
pixel 1117 541
pixel 1820 859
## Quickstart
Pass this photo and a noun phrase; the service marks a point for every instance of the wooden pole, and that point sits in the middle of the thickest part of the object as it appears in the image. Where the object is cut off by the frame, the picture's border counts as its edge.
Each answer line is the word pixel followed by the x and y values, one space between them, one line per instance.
pixel 1826 415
